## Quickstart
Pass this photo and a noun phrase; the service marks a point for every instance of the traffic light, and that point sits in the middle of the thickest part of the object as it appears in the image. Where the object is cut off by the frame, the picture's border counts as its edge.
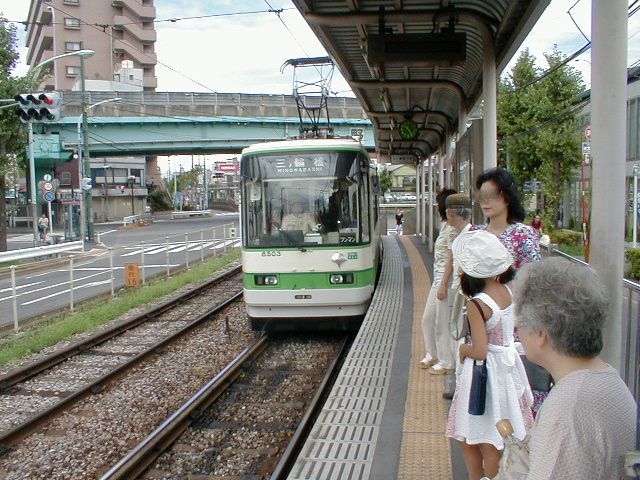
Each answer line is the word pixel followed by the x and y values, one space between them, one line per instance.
pixel 39 107
pixel 86 184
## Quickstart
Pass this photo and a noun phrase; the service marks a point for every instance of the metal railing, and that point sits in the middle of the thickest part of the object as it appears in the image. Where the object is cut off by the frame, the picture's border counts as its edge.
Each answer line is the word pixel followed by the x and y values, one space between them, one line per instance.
pixel 37 252
pixel 184 250
pixel 190 213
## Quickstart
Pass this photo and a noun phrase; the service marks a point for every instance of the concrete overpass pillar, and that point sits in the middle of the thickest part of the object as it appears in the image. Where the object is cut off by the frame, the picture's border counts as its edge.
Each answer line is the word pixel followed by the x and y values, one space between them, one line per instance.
pixel 608 149
pixel 489 110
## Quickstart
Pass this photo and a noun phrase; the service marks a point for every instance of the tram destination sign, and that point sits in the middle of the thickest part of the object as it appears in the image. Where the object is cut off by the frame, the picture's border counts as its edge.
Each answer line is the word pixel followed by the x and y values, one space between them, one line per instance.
pixel 316 164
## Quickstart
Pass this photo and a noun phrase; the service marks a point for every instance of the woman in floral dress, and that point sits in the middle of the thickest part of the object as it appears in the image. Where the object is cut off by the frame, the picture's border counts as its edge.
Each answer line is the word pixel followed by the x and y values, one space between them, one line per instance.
pixel 500 203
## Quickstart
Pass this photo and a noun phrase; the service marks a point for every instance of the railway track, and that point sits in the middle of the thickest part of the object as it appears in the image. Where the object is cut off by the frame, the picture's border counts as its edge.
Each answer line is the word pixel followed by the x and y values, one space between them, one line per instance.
pixel 30 396
pixel 249 421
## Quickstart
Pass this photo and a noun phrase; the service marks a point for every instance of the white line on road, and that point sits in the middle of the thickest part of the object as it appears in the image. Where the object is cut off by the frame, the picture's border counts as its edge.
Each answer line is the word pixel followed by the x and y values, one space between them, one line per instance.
pixel 19 287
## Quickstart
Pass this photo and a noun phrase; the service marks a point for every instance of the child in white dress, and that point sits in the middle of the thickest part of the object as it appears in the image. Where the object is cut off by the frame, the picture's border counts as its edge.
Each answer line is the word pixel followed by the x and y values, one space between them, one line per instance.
pixel 486 268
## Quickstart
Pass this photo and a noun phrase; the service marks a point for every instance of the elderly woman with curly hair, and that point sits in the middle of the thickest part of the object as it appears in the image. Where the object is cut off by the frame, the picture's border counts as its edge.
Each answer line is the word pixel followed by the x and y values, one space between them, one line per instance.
pixel 588 421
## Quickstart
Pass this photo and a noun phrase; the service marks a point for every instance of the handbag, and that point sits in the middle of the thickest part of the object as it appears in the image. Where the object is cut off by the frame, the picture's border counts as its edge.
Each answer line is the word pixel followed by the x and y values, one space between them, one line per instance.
pixel 458 325
pixel 478 392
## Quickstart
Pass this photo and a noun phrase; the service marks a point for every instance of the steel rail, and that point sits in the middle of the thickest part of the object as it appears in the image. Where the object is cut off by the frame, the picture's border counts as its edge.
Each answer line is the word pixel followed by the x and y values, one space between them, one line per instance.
pixel 23 430
pixel 290 454
pixel 146 452
pixel 23 373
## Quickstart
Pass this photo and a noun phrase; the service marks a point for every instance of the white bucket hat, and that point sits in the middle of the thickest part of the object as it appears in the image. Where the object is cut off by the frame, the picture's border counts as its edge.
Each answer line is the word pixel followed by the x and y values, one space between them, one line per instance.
pixel 480 254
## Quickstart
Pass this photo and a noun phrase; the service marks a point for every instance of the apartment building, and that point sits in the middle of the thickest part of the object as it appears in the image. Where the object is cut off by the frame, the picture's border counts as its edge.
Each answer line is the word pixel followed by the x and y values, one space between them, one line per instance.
pixel 121 32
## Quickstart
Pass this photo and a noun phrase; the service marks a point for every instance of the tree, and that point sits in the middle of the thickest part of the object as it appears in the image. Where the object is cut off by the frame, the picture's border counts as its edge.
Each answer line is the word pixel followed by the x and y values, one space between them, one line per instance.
pixel 12 138
pixel 537 128
pixel 385 181
pixel 518 112
pixel 560 140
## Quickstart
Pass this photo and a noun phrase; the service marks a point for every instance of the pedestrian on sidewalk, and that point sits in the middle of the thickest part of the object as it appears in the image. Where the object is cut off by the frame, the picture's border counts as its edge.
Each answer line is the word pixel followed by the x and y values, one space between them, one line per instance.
pixel 486 268
pixel 43 227
pixel 588 421
pixel 439 355
pixel 399 221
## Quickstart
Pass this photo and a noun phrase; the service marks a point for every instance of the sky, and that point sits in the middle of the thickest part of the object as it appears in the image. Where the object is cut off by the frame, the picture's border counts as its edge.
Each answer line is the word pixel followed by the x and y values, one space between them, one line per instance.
pixel 239 52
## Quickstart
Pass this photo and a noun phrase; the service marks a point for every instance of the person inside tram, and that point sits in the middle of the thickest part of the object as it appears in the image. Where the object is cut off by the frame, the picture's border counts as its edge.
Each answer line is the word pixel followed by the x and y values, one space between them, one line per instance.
pixel 298 219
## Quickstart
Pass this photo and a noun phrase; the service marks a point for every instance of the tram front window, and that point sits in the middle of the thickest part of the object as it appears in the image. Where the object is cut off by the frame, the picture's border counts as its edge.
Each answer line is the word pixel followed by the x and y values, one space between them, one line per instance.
pixel 285 208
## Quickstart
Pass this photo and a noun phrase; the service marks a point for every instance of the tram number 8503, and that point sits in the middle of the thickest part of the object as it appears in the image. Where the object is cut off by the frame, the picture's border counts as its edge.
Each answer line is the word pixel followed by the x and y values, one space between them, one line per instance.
pixel 271 253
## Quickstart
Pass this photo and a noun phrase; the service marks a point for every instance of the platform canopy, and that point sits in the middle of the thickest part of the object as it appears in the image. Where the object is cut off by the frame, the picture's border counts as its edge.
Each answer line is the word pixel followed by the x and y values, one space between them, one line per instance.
pixel 417 66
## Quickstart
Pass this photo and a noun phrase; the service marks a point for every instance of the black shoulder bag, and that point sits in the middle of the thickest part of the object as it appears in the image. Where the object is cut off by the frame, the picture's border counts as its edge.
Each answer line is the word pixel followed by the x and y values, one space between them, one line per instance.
pixel 478 392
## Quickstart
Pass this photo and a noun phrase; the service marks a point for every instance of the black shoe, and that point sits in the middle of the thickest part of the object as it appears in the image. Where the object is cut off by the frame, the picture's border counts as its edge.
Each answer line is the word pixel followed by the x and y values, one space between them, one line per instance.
pixel 447 396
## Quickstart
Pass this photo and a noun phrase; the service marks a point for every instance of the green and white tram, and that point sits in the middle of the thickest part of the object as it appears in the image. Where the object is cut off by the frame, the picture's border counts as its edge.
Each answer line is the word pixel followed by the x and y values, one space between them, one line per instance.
pixel 310 239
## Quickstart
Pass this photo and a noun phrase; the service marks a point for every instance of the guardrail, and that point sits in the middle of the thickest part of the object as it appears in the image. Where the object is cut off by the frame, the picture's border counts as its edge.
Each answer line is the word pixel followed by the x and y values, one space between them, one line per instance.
pixel 14 220
pixel 190 213
pixel 131 219
pixel 189 248
pixel 35 252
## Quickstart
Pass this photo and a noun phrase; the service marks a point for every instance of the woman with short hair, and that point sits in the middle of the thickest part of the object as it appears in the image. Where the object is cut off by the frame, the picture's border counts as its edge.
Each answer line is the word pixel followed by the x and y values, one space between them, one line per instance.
pixel 588 421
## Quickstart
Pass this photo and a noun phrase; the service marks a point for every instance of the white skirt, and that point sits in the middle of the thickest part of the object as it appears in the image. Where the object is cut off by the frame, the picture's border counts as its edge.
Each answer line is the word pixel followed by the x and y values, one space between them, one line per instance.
pixel 508 396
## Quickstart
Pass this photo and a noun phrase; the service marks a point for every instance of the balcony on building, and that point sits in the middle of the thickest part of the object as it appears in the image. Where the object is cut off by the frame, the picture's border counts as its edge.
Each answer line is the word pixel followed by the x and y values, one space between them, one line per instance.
pixel 144 58
pixel 139 8
pixel 120 22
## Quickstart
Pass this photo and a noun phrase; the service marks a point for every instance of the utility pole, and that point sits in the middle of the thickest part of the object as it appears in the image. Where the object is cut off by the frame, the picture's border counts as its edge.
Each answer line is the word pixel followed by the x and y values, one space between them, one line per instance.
pixel 86 159
pixel 206 181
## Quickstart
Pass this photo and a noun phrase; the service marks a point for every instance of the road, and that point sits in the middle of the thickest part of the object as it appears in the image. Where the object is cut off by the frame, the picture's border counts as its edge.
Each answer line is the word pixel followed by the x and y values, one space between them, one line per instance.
pixel 163 242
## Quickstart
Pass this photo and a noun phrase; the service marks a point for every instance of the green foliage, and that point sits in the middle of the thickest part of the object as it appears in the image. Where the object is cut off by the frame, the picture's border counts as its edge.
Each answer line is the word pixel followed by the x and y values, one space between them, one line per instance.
pixel 566 237
pixel 385 181
pixel 517 113
pixel 539 135
pixel 633 256
pixel 159 201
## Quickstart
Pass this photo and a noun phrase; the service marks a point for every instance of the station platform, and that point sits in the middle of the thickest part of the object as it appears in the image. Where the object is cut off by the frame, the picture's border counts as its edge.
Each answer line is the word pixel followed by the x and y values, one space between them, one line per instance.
pixel 385 416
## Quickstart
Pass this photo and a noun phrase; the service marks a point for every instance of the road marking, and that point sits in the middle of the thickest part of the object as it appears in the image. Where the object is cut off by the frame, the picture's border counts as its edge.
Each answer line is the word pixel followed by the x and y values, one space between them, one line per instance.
pixel 105 233
pixel 18 287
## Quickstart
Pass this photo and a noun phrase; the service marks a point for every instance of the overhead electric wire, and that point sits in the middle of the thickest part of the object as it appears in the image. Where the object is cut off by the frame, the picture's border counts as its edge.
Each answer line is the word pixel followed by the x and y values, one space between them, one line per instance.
pixel 288 30
pixel 554 119
pixel 172 20
pixel 147 55
pixel 577 53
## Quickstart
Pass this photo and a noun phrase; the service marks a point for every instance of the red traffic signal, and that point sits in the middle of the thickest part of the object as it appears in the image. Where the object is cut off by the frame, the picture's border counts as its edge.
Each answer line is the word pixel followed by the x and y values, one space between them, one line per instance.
pixel 39 107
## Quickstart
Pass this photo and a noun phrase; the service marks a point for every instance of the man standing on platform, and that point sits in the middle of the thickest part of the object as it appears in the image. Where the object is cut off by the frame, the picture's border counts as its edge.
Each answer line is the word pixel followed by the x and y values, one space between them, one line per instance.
pixel 458 216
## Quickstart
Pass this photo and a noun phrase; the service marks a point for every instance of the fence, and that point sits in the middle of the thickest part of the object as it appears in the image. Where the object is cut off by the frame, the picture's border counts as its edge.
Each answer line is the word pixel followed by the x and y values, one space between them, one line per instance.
pixel 184 250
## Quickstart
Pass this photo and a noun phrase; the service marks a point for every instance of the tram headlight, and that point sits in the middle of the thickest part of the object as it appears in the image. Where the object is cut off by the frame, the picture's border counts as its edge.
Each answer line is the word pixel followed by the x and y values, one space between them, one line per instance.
pixel 266 279
pixel 340 278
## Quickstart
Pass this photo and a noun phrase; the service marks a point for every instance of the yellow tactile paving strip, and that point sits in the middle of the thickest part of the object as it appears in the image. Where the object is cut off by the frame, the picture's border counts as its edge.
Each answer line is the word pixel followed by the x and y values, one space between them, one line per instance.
pixel 425 450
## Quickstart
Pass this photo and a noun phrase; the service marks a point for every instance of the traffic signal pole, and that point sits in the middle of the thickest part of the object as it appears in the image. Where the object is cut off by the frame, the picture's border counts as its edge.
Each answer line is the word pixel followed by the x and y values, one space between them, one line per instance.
pixel 86 158
pixel 32 183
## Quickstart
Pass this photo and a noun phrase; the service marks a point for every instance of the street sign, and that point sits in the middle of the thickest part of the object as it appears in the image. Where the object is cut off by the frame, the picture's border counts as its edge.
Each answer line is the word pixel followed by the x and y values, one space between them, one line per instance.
pixel 47 177
pixel 586 148
pixel 587 132
pixel 132 274
pixel 47 186
pixel 49 196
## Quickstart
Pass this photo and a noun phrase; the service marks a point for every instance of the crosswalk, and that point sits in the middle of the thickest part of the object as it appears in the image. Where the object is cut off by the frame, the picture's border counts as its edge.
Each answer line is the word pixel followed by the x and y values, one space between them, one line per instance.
pixel 181 247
